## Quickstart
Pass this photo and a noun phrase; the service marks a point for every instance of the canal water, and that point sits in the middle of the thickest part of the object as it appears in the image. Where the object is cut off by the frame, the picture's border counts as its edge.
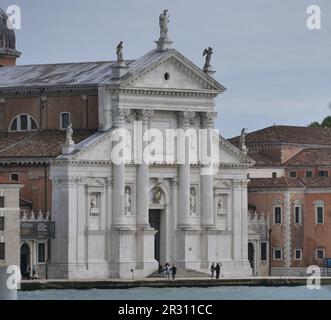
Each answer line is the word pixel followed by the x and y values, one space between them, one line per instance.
pixel 183 293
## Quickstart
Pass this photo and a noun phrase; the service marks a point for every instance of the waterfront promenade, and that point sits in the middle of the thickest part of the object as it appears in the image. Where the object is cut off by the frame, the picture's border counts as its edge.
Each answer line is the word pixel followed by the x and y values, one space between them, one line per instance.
pixel 163 283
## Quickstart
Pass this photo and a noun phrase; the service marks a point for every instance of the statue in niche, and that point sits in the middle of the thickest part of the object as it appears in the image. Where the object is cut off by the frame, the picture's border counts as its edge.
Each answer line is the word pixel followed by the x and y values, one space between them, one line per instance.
pixel 94 211
pixel 221 206
pixel 164 21
pixel 192 201
pixel 157 195
pixel 127 201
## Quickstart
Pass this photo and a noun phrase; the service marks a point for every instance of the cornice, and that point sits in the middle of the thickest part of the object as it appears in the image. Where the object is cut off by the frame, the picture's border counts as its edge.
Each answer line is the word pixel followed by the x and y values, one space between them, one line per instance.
pixel 162 92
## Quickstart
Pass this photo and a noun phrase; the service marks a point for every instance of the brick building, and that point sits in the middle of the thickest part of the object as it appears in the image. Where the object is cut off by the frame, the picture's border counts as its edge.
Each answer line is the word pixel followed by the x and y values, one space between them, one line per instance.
pixel 291 184
pixel 9 222
pixel 37 102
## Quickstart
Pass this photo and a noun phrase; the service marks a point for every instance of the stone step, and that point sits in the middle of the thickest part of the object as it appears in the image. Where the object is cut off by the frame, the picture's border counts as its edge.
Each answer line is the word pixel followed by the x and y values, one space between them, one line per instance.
pixel 186 273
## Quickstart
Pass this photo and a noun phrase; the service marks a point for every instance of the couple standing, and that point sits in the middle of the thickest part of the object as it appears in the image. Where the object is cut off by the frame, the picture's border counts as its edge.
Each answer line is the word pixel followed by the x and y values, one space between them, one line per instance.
pixel 215 269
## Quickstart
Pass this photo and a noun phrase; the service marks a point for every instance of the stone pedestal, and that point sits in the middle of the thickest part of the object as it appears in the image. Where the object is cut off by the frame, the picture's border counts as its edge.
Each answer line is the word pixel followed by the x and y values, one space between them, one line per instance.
pixel 163 45
pixel 68 148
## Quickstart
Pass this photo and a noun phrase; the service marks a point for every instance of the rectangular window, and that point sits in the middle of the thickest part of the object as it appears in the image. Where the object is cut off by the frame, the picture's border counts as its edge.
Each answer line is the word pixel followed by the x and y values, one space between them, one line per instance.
pixel 319 215
pixel 322 173
pixel 298 254
pixel 319 254
pixel 297 215
pixel 2 202
pixel 278 215
pixel 2 251
pixel 293 174
pixel 309 174
pixel 65 120
pixel 24 122
pixel 263 251
pixel 277 254
pixel 2 223
pixel 274 175
pixel 41 252
pixel 14 177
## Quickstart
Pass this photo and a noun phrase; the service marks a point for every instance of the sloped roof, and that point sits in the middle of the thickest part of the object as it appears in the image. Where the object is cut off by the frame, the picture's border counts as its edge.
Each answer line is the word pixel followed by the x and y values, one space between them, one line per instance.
pixel 288 134
pixel 37 144
pixel 311 157
pixel 67 74
pixel 262 159
pixel 317 182
pixel 282 182
pixel 90 73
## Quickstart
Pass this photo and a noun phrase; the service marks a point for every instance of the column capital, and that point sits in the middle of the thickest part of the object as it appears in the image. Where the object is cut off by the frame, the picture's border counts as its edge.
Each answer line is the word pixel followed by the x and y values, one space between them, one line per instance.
pixel 187 118
pixel 207 119
pixel 122 116
pixel 144 115
pixel 110 181
pixel 240 183
pixel 174 183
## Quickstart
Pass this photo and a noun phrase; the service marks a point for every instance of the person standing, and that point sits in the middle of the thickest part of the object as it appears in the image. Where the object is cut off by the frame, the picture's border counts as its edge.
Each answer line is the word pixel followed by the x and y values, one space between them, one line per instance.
pixel 173 272
pixel 212 270
pixel 218 270
pixel 28 272
pixel 167 270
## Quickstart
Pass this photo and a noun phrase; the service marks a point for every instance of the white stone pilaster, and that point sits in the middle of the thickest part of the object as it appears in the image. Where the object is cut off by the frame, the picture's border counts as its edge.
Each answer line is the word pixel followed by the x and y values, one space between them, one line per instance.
pixel 120 118
pixel 143 176
pixel 184 172
pixel 207 177
pixel 244 217
pixel 287 230
pixel 237 220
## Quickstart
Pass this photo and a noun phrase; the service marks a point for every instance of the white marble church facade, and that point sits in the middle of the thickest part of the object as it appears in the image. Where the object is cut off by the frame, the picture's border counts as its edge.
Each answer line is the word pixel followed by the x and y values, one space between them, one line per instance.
pixel 113 220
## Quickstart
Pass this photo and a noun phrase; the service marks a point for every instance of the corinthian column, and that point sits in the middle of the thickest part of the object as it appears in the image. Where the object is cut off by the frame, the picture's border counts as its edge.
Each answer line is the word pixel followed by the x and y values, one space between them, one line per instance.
pixel 143 173
pixel 207 177
pixel 121 116
pixel 186 119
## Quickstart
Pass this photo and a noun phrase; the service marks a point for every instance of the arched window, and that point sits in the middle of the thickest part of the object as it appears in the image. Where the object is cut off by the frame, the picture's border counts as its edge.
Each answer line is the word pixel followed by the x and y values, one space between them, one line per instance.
pixel 23 122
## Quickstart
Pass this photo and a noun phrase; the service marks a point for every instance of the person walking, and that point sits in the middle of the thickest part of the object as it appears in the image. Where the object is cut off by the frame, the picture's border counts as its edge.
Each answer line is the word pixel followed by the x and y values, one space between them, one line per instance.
pixel 212 270
pixel 173 272
pixel 218 270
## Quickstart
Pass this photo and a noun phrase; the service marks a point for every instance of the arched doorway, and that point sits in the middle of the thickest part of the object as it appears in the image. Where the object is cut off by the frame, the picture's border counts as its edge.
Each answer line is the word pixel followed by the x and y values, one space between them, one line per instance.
pixel 158 215
pixel 251 256
pixel 25 259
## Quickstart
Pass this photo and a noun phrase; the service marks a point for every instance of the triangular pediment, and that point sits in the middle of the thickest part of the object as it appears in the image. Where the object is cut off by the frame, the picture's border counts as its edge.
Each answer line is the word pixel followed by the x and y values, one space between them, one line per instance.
pixel 169 70
pixel 229 154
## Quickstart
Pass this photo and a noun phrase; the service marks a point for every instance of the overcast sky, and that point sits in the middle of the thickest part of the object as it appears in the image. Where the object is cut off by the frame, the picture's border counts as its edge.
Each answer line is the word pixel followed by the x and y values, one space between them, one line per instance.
pixel 276 71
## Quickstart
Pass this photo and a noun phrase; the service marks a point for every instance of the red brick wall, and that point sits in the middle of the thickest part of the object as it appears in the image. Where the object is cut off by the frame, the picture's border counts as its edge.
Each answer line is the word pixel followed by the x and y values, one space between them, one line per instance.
pixel 308 236
pixel 7 61
pixel 33 179
pixel 83 113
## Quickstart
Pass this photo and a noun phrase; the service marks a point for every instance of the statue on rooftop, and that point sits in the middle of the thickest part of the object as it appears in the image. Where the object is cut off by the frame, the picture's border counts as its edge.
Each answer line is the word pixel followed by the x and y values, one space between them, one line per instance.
pixel 119 52
pixel 242 140
pixel 69 133
pixel 164 21
pixel 208 53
